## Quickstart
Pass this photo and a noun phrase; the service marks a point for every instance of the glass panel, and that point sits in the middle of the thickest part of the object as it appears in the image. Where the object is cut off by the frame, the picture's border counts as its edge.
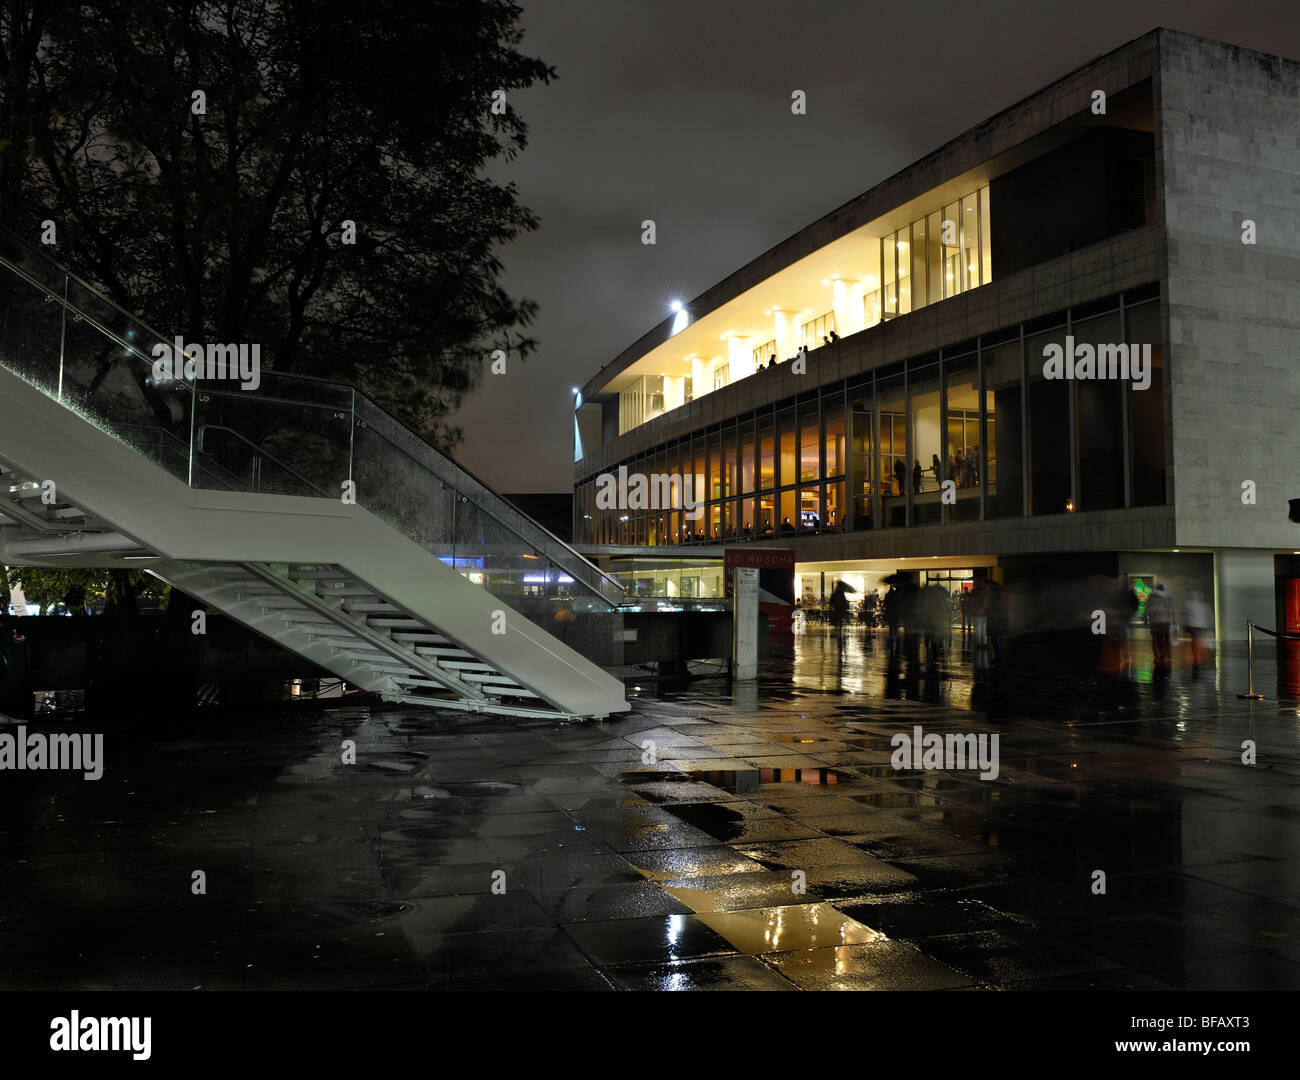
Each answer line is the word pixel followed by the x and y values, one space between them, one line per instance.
pixel 919 250
pixel 892 425
pixel 715 465
pixel 871 288
pixel 789 513
pixel 810 508
pixel 1147 409
pixel 903 244
pixel 934 256
pixel 986 243
pixel 809 443
pixel 787 472
pixel 833 423
pixel 889 259
pixel 766 524
pixel 747 456
pixel 1099 423
pixel 1004 460
pixel 970 241
pixel 1049 429
pixel 862 478
pixel 730 477
pixel 834 505
pixel 961 463
pixel 927 442
pixel 951 237
pixel 747 518
pixel 767 460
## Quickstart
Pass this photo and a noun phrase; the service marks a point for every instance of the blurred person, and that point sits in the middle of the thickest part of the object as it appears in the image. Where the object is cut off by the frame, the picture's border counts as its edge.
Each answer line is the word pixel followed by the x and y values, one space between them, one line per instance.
pixel 1200 628
pixel 1160 613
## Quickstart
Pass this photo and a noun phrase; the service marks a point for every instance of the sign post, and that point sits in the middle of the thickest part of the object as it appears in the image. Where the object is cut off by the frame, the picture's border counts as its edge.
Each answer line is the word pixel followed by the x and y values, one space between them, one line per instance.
pixel 744 623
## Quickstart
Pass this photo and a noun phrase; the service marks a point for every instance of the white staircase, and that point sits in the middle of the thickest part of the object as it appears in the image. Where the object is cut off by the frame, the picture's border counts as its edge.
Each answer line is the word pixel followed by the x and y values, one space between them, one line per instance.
pixel 93 475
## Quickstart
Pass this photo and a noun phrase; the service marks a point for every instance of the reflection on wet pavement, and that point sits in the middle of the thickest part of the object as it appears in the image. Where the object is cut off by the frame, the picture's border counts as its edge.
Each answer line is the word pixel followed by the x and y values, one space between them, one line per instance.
pixel 768 843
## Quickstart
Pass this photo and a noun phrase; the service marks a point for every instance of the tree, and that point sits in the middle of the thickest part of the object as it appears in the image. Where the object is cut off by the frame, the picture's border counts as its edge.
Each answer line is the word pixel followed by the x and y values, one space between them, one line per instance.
pixel 225 217
pixel 80 590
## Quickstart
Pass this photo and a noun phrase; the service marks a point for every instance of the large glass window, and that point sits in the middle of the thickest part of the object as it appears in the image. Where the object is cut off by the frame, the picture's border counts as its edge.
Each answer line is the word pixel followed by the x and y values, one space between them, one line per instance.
pixel 1049 429
pixel 1004 460
pixel 891 424
pixel 925 469
pixel 1147 409
pixel 962 436
pixel 1099 423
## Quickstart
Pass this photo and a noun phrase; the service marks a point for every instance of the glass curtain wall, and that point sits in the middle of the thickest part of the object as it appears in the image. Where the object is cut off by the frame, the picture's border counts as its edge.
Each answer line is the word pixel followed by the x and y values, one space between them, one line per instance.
pixel 877 454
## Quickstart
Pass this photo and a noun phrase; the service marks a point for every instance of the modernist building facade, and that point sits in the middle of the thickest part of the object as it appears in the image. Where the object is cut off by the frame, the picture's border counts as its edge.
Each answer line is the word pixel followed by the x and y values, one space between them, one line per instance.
pixel 1065 344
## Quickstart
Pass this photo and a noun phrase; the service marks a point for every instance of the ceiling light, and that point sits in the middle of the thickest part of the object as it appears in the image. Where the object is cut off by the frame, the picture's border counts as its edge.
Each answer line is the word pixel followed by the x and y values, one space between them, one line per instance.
pixel 676 305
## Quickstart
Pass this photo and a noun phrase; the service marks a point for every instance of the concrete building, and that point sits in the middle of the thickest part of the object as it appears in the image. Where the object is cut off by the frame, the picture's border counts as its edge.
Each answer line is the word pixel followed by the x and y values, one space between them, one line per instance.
pixel 1141 215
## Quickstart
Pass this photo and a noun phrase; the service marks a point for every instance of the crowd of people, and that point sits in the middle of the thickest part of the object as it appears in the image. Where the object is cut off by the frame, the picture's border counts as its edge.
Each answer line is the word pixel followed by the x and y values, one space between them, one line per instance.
pixel 920 620
pixel 801 354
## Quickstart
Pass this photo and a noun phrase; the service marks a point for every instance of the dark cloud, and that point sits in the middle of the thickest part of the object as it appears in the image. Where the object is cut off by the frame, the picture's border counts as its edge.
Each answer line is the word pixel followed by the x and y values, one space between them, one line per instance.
pixel 679 111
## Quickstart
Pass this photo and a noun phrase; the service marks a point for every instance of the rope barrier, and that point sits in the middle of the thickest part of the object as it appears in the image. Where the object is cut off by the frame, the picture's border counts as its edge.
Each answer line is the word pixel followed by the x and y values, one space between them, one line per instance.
pixel 1277 633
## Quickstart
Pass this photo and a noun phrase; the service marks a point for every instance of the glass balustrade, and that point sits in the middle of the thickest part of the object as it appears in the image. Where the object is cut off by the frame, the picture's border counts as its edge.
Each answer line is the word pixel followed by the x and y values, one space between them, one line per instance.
pixel 292 435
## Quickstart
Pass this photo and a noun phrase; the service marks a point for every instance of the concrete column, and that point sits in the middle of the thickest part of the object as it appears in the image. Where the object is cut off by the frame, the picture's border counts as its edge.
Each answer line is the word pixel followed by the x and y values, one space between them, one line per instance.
pixel 847 303
pixel 788 325
pixel 1243 589
pixel 740 356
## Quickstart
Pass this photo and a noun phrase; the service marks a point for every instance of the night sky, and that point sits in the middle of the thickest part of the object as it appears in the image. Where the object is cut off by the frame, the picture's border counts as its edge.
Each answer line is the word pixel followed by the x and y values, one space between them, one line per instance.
pixel 679 111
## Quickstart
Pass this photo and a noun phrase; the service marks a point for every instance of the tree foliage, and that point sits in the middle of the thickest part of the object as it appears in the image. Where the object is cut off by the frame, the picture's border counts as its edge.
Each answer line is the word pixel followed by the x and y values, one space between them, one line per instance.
pixel 81 591
pixel 227 224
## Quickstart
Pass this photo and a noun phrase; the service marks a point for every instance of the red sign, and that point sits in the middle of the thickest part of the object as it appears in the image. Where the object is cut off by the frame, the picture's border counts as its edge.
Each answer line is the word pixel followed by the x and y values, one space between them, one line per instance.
pixel 762 558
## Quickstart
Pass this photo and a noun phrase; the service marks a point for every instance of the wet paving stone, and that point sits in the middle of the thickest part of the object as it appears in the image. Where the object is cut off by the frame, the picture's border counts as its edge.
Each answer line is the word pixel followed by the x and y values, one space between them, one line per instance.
pixel 647 940
pixel 711 973
pixel 882 965
pixel 682 874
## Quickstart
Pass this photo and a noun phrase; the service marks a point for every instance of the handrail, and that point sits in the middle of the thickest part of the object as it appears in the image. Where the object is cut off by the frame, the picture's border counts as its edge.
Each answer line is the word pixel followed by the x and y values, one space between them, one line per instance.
pixel 454 465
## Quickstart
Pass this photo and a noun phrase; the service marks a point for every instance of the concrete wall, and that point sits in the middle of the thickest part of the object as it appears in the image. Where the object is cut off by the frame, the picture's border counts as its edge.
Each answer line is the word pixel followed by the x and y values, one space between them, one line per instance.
pixel 1229 145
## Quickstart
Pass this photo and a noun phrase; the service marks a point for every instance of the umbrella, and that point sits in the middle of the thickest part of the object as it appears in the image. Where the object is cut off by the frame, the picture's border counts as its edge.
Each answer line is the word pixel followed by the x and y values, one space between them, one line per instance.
pixel 894 579
pixel 844 586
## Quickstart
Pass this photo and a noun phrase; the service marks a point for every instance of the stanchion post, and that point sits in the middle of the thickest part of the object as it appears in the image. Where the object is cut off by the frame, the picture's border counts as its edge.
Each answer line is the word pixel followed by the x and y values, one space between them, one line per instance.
pixel 1250 659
